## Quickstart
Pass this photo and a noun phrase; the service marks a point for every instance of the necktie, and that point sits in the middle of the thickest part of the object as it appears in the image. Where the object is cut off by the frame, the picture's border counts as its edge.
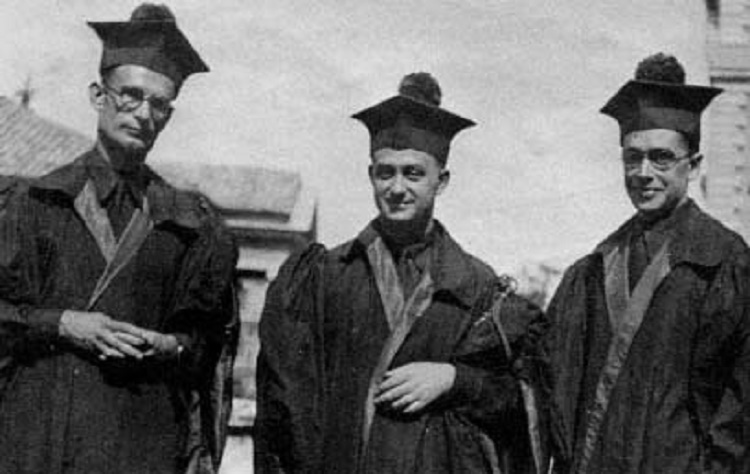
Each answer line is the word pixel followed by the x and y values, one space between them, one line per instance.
pixel 408 273
pixel 638 260
pixel 120 207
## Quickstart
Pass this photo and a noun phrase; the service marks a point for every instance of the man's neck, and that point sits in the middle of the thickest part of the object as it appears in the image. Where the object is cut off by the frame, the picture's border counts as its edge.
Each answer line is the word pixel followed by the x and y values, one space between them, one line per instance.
pixel 122 161
pixel 404 234
pixel 651 220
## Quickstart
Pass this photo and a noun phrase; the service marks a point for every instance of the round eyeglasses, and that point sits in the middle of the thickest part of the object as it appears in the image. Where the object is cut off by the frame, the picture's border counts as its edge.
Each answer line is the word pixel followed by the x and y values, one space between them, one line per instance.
pixel 661 159
pixel 129 99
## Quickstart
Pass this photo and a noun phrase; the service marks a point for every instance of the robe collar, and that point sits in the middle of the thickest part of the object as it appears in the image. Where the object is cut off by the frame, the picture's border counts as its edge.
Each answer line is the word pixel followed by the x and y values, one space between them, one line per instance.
pixel 167 204
pixel 453 271
pixel 694 233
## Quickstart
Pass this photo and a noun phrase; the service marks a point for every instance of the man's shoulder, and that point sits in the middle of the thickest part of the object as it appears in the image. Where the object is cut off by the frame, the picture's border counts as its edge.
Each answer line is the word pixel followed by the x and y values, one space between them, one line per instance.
pixel 344 251
pixel 586 261
pixel 10 187
pixel 301 268
pixel 582 272
pixel 6 182
pixel 9 184
pixel 480 267
pixel 703 240
pixel 714 232
pixel 67 179
pixel 315 254
pixel 185 207
pixel 612 240
pixel 469 261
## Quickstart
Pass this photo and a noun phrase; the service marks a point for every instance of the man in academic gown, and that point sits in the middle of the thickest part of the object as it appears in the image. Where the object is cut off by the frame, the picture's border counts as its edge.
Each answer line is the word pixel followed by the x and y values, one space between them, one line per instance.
pixel 650 344
pixel 116 301
pixel 382 355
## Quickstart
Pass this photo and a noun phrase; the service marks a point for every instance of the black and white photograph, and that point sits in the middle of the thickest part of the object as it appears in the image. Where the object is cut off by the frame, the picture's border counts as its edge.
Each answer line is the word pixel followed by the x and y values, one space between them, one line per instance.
pixel 374 237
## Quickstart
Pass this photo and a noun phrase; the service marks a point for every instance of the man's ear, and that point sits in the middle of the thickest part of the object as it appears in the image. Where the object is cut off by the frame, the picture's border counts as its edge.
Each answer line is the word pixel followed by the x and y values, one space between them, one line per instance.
pixel 445 178
pixel 96 96
pixel 695 165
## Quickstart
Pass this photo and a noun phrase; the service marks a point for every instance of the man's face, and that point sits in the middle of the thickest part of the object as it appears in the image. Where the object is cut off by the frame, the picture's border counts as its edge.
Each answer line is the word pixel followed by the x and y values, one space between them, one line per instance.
pixel 125 123
pixel 405 184
pixel 658 184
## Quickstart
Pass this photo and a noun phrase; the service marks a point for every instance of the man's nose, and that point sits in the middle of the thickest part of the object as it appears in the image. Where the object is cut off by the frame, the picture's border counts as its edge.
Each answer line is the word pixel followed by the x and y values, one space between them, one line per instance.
pixel 398 185
pixel 645 168
pixel 143 111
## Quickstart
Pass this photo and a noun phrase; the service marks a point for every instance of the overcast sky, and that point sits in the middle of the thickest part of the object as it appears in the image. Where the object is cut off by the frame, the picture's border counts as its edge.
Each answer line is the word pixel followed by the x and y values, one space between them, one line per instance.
pixel 537 180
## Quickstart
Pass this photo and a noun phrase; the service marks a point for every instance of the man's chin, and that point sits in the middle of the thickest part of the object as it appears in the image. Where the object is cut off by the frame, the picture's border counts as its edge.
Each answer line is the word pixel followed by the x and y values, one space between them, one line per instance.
pixel 134 146
pixel 398 218
pixel 646 207
pixel 645 204
pixel 653 210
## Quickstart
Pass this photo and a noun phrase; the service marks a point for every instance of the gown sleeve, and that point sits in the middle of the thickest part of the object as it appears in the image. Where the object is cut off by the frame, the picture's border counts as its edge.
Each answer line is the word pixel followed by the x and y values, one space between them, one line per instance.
pixel 726 438
pixel 288 424
pixel 501 380
pixel 25 329
pixel 205 320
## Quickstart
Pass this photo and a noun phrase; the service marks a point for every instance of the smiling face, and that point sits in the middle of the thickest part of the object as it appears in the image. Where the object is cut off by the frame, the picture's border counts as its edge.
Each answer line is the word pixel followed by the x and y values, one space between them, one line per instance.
pixel 654 192
pixel 132 131
pixel 405 184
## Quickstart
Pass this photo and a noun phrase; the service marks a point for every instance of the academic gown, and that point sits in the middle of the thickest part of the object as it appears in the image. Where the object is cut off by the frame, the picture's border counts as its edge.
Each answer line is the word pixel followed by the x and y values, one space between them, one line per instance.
pixel 669 393
pixel 323 332
pixel 62 410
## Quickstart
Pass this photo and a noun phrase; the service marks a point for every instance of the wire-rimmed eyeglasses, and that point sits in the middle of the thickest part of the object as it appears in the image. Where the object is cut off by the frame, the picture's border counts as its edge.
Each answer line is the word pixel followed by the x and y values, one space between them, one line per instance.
pixel 128 99
pixel 660 158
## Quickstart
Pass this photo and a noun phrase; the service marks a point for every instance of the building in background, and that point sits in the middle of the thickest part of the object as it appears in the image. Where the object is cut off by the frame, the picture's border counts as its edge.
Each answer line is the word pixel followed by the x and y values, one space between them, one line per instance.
pixel 31 145
pixel 726 182
pixel 270 212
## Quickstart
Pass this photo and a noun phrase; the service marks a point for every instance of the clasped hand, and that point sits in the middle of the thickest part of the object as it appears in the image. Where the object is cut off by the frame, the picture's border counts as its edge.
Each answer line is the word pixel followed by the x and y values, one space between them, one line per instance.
pixel 98 333
pixel 413 386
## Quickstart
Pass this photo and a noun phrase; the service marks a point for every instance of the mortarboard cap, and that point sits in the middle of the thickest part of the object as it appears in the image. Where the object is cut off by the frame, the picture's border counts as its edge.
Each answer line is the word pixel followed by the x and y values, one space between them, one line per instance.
pixel 659 98
pixel 150 39
pixel 413 119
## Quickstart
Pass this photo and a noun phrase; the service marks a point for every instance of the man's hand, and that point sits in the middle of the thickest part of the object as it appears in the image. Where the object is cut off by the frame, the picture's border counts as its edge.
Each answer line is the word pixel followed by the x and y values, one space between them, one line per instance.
pixel 412 387
pixel 98 333
pixel 160 345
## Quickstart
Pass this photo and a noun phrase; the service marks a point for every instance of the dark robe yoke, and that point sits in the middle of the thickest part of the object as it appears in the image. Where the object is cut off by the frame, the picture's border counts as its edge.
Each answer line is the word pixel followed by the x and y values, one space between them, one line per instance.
pixel 326 338
pixel 657 381
pixel 65 411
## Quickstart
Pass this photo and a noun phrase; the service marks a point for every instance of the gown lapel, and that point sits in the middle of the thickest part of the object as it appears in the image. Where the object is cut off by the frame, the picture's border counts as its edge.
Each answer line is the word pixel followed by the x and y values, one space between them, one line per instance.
pixel 401 316
pixel 626 312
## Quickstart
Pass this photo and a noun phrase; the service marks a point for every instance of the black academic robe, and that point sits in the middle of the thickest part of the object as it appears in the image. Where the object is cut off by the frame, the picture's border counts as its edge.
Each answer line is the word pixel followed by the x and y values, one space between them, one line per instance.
pixel 63 410
pixel 323 331
pixel 678 399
